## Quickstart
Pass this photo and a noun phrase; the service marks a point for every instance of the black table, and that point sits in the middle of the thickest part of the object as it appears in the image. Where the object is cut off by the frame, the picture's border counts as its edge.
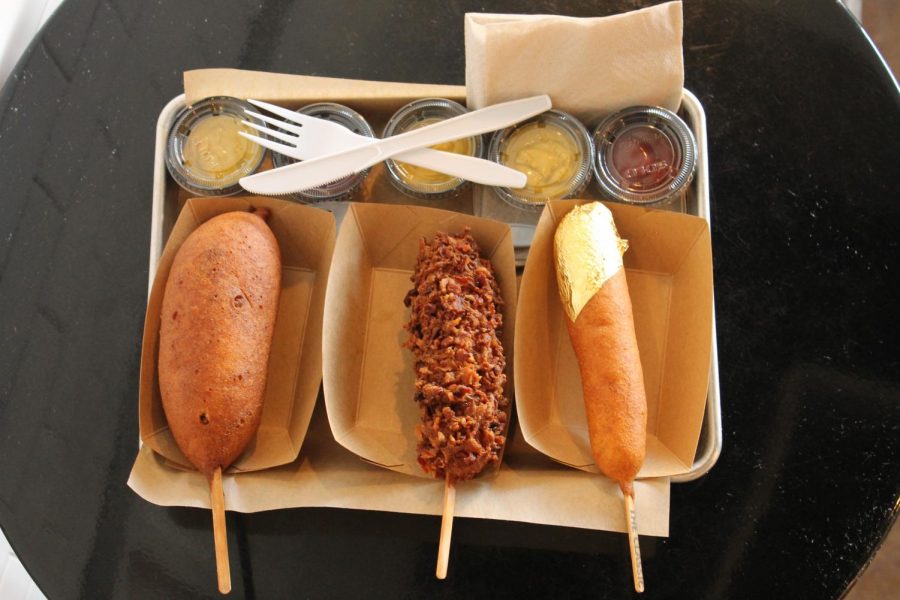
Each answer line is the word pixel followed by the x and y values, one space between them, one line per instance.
pixel 803 136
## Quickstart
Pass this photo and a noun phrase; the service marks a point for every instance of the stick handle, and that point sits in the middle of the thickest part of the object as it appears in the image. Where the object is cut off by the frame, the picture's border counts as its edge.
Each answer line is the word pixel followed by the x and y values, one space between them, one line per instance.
pixel 217 500
pixel 443 558
pixel 637 570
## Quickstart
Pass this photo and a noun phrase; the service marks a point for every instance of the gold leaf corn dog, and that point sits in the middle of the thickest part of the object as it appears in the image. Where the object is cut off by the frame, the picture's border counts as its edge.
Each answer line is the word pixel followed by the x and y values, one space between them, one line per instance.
pixel 594 294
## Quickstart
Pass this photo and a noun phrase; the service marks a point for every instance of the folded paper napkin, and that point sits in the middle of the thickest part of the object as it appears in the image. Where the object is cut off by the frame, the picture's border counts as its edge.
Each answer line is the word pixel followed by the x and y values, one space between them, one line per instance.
pixel 589 66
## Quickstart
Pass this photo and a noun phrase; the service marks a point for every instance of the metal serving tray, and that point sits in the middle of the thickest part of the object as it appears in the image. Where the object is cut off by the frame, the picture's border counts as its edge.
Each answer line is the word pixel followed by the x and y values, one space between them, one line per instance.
pixel 695 202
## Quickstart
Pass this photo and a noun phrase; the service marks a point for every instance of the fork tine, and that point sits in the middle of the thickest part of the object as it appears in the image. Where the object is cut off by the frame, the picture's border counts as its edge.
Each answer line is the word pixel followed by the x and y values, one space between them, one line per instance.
pixel 284 113
pixel 282 148
pixel 275 122
pixel 287 137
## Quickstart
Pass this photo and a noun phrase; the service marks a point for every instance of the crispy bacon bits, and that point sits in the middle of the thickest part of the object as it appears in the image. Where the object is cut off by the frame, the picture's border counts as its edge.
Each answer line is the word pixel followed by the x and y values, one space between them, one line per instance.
pixel 454 335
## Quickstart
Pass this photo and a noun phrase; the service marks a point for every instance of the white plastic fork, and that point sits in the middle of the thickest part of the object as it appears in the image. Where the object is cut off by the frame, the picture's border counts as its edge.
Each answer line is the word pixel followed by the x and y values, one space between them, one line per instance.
pixel 306 137
pixel 321 170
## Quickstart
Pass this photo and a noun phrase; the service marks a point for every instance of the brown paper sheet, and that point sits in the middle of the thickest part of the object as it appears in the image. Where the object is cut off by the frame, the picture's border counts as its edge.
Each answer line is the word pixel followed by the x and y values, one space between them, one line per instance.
pixel 528 488
pixel 590 67
pixel 297 90
pixel 669 270
pixel 306 238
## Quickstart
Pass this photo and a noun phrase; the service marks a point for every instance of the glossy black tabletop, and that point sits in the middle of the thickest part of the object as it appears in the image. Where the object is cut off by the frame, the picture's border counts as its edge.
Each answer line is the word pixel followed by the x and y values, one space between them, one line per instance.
pixel 803 138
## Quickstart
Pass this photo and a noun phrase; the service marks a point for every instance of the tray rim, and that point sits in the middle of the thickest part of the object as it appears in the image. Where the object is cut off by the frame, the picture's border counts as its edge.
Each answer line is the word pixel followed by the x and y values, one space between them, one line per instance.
pixel 706 457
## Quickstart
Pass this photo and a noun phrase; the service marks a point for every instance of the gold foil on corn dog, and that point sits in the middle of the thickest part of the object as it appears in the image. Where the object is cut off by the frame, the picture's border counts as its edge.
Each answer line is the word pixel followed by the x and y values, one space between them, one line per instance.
pixel 588 251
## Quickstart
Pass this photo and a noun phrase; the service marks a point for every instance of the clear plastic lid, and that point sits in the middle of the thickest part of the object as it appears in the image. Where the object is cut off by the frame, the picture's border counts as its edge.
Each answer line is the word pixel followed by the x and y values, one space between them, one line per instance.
pixel 553 149
pixel 343 188
pixel 645 155
pixel 204 153
pixel 420 182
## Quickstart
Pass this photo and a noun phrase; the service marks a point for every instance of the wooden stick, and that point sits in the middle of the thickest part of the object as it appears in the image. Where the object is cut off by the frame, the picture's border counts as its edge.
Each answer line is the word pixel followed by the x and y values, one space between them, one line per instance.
pixel 443 558
pixel 637 570
pixel 217 500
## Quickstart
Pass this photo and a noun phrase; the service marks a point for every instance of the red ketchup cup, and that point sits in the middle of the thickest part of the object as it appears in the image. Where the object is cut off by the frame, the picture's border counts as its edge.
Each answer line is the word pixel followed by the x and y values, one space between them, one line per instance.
pixel 644 155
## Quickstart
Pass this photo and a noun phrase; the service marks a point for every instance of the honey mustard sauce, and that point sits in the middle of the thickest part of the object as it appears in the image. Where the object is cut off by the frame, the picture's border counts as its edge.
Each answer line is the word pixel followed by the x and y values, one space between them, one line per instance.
pixel 214 147
pixel 547 155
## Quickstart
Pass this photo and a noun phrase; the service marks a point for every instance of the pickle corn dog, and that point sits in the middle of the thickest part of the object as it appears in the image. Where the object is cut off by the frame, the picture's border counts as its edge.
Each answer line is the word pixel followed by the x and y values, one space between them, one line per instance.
pixel 594 294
